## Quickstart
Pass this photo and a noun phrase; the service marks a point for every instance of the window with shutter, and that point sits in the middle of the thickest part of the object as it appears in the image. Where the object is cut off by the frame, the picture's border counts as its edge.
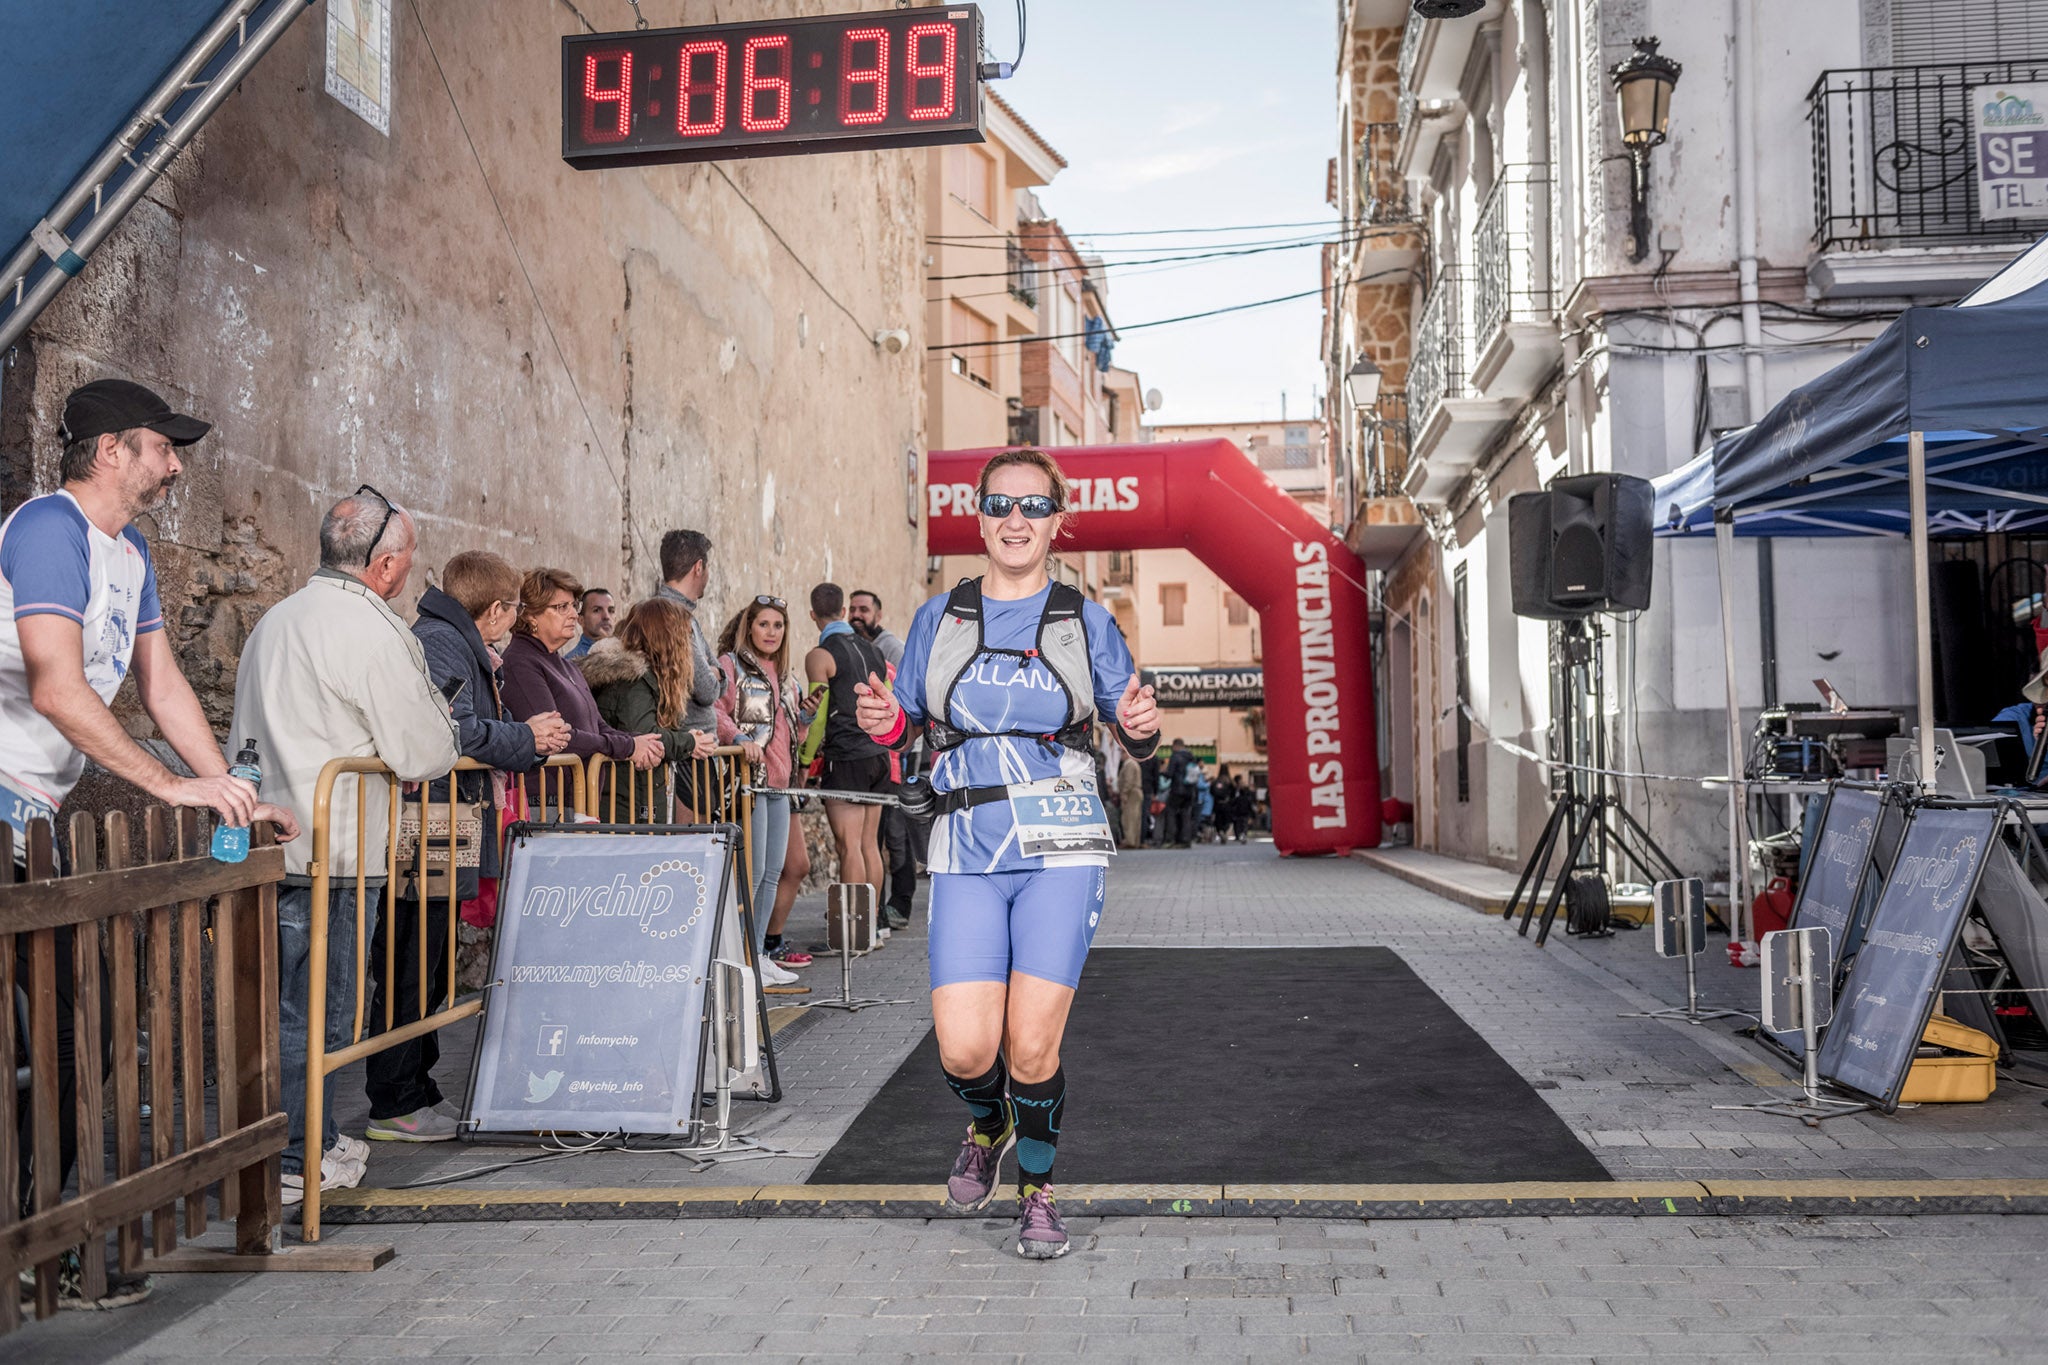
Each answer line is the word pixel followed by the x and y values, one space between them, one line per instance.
pixel 1925 32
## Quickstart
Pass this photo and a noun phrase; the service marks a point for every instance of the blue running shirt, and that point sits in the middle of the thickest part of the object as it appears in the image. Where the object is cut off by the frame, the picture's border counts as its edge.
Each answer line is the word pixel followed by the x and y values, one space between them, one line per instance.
pixel 1005 692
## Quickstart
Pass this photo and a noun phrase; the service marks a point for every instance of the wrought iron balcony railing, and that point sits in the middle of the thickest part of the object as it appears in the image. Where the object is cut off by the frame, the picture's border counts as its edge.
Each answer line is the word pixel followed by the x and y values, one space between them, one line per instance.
pixel 1382 193
pixel 1443 353
pixel 1411 52
pixel 1511 247
pixel 1387 460
pixel 1893 158
pixel 1023 274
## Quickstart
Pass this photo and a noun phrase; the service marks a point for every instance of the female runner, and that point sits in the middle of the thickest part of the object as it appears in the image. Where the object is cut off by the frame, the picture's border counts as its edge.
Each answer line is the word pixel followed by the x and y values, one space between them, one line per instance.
pixel 1011 914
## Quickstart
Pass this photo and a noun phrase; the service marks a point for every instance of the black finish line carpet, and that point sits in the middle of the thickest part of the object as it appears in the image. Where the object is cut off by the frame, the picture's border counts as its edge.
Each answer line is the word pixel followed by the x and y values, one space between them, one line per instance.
pixel 1268 1065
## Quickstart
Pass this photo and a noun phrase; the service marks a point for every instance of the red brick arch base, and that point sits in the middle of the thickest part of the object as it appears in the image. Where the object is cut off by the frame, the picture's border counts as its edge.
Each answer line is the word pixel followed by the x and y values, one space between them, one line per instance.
pixel 1308 588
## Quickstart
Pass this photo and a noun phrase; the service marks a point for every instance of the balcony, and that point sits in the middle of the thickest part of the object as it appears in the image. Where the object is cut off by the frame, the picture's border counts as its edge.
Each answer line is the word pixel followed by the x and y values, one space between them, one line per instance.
pixel 1513 306
pixel 1388 446
pixel 1451 422
pixel 1387 522
pixel 1382 191
pixel 1895 180
pixel 1023 274
pixel 1432 61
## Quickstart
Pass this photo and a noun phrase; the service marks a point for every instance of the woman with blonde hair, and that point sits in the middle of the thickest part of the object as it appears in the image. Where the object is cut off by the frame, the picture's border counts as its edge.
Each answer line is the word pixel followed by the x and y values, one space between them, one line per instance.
pixel 539 680
pixel 641 678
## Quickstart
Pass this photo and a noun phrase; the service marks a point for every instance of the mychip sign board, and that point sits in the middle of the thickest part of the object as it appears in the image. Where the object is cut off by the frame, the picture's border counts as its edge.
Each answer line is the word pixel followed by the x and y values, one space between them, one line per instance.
pixel 1885 1003
pixel 596 1018
pixel 1835 882
pixel 2010 123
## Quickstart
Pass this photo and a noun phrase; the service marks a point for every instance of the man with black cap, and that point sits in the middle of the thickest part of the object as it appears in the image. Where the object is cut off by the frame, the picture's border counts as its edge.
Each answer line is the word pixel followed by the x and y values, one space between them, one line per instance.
pixel 78 613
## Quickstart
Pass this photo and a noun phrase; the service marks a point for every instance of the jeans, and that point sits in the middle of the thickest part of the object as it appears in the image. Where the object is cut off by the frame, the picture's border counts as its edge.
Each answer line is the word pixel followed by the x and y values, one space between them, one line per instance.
pixel 771 849
pixel 897 847
pixel 294 990
pixel 400 1080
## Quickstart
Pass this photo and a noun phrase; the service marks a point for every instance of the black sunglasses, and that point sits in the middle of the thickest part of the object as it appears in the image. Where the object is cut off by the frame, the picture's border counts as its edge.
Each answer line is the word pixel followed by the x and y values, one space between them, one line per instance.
pixel 764 600
pixel 1036 506
pixel 389 509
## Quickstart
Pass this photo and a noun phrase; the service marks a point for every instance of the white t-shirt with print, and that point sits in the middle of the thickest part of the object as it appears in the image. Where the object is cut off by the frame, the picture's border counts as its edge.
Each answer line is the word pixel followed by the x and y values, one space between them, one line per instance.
pixel 55 562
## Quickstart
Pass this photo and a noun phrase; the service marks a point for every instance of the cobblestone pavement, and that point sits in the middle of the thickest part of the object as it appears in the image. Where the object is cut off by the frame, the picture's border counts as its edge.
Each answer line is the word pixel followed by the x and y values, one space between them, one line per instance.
pixel 1639 1092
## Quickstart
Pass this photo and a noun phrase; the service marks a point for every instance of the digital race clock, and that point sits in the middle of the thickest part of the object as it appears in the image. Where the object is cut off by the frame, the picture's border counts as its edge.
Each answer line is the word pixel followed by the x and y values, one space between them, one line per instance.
pixel 843 82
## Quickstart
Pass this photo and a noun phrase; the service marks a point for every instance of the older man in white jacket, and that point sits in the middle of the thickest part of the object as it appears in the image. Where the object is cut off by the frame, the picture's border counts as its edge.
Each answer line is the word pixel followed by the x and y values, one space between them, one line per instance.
pixel 332 672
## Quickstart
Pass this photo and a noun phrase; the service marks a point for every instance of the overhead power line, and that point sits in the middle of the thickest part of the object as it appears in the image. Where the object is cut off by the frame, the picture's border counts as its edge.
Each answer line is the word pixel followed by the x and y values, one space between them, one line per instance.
pixel 1213 255
pixel 1164 322
pixel 1322 223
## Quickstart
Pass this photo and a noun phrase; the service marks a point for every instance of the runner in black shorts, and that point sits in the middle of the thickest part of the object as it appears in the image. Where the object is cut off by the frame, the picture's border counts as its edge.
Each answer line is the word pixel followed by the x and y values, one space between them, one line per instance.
pixel 854 762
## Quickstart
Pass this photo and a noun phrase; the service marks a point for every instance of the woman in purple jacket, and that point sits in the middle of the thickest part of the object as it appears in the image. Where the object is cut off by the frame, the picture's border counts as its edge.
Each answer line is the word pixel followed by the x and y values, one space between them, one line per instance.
pixel 538 679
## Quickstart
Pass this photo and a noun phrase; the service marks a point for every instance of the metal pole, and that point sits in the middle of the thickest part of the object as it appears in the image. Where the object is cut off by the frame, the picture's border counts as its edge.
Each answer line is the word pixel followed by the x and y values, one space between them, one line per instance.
pixel 1923 611
pixel 1738 862
pixel 151 168
pixel 139 127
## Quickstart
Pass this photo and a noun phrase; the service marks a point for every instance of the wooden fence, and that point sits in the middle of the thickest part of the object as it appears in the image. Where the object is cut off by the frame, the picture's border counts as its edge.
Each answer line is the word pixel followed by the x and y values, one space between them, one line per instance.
pixel 166 954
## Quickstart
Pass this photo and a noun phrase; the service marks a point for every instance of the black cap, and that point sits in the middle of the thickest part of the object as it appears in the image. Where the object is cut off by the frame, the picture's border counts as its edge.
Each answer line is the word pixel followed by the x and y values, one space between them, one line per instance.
pixel 115 405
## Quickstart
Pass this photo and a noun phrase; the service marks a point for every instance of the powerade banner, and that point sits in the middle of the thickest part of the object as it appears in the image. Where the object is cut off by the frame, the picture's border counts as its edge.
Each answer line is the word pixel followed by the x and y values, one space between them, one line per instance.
pixel 1207 686
pixel 1890 992
pixel 604 943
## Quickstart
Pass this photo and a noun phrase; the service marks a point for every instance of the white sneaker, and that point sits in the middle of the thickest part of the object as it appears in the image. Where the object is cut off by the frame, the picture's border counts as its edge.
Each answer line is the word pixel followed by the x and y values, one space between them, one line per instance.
pixel 351 1148
pixel 775 974
pixel 336 1173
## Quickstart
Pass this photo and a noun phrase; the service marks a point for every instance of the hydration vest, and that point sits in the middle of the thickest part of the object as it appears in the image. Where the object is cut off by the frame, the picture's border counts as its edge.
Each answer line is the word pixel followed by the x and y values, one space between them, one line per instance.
pixel 1062 642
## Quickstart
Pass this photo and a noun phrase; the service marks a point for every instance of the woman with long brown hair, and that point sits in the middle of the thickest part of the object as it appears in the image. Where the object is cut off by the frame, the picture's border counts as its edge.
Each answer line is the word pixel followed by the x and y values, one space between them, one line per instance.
pixel 641 678
pixel 762 702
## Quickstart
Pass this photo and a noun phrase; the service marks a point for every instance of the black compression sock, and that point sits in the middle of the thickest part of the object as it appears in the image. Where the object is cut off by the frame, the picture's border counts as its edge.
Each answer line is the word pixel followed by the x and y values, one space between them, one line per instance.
pixel 985 1099
pixel 1040 1107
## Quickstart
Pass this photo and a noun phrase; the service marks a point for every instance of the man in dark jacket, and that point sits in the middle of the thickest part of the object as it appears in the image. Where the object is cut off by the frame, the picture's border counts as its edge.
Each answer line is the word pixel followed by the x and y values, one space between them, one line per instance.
pixel 1180 797
pixel 475 604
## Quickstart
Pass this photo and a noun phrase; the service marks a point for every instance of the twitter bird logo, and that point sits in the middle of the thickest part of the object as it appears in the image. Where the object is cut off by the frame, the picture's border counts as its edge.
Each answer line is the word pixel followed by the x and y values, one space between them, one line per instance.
pixel 540 1089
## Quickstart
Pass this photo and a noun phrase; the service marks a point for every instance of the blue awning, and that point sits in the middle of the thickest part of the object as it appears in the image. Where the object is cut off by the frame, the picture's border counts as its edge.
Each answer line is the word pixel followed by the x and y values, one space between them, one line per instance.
pixel 1830 458
pixel 72 79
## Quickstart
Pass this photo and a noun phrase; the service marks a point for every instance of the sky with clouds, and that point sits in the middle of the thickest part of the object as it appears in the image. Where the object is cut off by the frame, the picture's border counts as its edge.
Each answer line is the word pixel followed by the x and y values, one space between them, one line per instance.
pixel 1196 114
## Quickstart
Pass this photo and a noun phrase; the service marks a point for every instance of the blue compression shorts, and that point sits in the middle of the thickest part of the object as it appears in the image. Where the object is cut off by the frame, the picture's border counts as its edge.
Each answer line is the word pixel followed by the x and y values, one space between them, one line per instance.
pixel 986 925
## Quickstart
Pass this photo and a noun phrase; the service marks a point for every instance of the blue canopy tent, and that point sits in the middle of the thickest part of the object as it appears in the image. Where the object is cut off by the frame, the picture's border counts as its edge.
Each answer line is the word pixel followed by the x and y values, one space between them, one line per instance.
pixel 1938 427
pixel 97 102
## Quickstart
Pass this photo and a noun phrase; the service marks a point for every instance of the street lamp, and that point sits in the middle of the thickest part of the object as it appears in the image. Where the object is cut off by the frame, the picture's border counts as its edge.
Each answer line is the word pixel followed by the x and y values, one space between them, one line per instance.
pixel 1642 85
pixel 1363 384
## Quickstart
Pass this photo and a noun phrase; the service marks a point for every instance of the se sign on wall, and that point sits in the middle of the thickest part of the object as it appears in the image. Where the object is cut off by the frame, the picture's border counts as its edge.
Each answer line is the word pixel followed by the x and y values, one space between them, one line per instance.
pixel 845 82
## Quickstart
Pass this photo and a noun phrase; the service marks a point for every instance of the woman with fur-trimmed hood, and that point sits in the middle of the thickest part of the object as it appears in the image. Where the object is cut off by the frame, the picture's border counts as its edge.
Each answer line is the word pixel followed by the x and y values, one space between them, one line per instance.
pixel 641 678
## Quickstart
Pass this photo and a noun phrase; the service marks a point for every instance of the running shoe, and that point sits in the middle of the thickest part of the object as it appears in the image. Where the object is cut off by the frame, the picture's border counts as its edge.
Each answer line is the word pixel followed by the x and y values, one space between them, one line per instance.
pixel 123 1289
pixel 789 955
pixel 1041 1232
pixel 978 1170
pixel 350 1148
pixel 421 1125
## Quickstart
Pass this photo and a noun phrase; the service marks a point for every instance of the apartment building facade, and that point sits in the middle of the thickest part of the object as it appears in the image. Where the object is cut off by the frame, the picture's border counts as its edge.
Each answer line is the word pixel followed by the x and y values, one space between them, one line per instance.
pixel 1813 181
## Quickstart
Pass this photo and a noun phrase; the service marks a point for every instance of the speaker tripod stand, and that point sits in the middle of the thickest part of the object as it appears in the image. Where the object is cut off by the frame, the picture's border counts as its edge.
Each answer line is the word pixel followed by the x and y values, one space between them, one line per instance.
pixel 1584 816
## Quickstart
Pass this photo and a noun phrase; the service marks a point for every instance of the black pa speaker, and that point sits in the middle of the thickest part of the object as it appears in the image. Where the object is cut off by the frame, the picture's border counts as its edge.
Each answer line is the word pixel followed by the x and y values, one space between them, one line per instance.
pixel 1529 559
pixel 1580 547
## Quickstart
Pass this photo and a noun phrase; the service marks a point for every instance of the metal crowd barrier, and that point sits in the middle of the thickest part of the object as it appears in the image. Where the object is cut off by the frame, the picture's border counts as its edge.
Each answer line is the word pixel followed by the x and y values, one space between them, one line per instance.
pixel 123 991
pixel 559 791
pixel 620 795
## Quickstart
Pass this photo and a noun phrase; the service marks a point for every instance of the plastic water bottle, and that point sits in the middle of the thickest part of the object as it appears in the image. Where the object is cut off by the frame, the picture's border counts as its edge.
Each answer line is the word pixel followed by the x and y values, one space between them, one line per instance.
pixel 231 842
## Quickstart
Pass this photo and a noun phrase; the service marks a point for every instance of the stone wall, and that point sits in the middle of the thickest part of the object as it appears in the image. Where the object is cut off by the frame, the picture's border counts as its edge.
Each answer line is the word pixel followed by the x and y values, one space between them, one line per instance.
pixel 552 364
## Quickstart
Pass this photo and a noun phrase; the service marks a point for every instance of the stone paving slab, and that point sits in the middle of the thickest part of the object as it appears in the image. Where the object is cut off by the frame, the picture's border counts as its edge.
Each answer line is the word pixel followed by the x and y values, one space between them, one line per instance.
pixel 1134 1289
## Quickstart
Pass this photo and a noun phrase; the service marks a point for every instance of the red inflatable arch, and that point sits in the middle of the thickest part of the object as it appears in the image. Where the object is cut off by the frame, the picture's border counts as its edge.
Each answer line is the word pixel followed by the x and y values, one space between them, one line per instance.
pixel 1308 588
